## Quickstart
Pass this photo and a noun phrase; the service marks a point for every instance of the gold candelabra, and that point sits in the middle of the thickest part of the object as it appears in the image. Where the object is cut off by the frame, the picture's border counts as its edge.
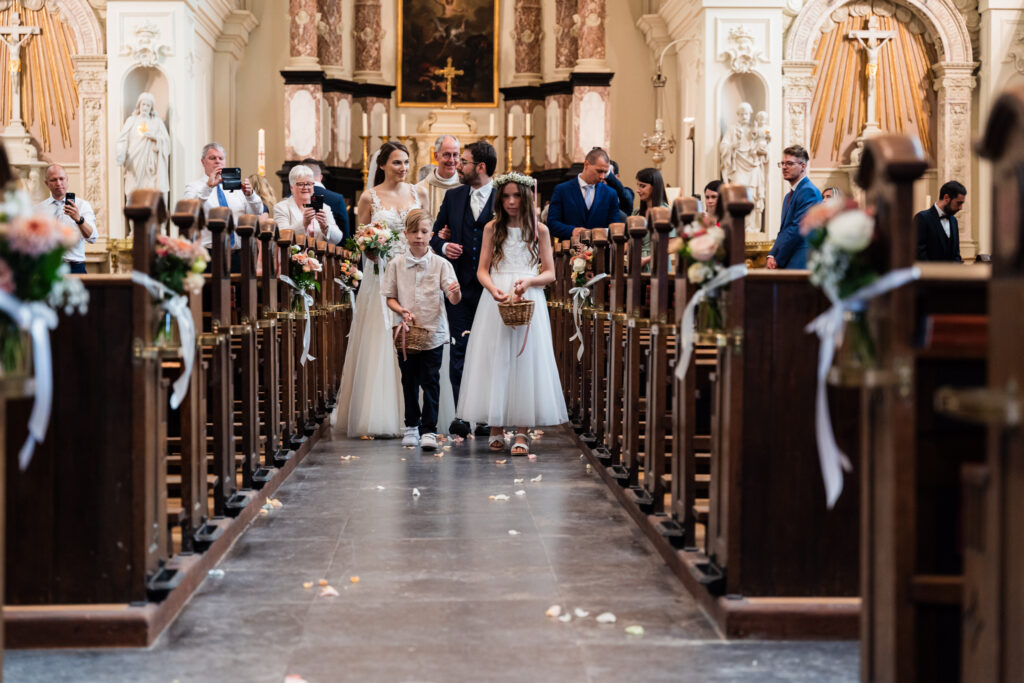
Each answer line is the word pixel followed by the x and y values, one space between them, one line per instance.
pixel 658 143
pixel 527 169
pixel 366 157
pixel 490 139
pixel 509 139
pixel 384 138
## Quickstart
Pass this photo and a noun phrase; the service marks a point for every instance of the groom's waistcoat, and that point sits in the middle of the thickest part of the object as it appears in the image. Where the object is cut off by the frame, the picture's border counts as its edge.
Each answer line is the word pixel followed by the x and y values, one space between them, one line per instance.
pixel 465 230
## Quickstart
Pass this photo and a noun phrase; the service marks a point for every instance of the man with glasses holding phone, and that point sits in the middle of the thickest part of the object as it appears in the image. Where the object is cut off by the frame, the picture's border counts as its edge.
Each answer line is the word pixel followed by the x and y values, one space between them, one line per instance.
pixel 445 177
pixel 226 187
pixel 790 248
pixel 69 210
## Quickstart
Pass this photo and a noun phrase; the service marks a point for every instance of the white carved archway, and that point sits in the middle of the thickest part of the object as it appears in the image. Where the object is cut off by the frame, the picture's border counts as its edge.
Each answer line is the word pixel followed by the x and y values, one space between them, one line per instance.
pixel 84 26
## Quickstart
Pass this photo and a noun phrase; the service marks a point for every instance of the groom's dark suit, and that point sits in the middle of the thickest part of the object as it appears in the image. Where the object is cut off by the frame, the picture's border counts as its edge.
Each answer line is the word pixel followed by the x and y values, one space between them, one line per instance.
pixel 465 230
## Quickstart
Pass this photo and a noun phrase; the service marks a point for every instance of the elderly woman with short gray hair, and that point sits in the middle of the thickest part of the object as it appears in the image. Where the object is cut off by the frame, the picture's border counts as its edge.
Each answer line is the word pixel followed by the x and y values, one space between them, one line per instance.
pixel 297 212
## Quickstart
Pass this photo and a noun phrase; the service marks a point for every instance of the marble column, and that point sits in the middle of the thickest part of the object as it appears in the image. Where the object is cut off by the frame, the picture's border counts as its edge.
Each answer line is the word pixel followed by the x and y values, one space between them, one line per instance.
pixel 368 34
pixel 591 120
pixel 590 55
pixel 302 35
pixel 558 147
pixel 528 35
pixel 797 90
pixel 566 36
pixel 91 78
pixel 330 46
pixel 955 84
pixel 302 125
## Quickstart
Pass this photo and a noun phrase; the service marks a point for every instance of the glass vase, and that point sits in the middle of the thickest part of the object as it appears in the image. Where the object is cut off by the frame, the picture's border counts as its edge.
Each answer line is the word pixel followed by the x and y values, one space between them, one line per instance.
pixel 15 351
pixel 165 332
pixel 858 349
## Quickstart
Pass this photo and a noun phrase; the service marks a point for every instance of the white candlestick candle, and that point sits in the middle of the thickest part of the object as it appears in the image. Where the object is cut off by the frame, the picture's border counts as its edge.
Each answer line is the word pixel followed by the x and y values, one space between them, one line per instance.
pixel 490 124
pixel 510 128
pixel 401 125
pixel 384 124
pixel 529 124
pixel 366 125
pixel 261 153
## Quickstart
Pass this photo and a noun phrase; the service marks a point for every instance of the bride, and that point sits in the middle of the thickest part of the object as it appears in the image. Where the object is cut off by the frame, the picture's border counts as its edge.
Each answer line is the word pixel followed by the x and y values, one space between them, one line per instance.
pixel 370 399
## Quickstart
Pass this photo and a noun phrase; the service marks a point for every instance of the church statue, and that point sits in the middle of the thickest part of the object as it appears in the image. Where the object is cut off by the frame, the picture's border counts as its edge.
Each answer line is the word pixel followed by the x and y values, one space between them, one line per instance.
pixel 762 138
pixel 143 147
pixel 742 164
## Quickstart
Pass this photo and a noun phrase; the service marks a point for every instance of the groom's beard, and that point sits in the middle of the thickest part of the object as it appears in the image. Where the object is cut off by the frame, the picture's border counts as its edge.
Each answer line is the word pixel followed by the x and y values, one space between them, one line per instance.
pixel 467 177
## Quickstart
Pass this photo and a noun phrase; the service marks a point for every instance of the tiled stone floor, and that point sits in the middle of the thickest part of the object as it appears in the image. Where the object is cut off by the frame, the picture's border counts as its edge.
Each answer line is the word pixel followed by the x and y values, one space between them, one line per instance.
pixel 445 592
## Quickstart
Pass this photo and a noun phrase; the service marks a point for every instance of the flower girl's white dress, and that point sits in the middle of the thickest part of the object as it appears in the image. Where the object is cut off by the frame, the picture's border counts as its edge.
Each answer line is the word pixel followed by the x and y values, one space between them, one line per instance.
pixel 370 399
pixel 498 387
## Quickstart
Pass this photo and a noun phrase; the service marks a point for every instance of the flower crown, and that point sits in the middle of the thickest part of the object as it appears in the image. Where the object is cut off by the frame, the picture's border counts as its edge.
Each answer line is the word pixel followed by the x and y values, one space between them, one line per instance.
pixel 514 177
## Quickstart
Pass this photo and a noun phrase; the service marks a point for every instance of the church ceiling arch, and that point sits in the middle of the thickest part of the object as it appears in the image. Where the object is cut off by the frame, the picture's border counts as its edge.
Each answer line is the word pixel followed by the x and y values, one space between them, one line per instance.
pixel 942 19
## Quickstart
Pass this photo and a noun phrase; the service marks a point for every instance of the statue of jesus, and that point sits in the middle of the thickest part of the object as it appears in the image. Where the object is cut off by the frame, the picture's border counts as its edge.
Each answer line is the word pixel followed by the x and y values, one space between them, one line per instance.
pixel 14 36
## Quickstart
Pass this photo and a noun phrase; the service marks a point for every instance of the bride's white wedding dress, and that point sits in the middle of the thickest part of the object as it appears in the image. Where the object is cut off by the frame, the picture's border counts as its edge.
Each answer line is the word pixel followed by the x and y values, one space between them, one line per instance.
pixel 370 398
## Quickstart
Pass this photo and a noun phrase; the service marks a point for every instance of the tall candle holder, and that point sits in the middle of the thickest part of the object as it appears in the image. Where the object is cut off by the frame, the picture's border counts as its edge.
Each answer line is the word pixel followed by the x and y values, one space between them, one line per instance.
pixel 366 157
pixel 490 139
pixel 509 139
pixel 384 138
pixel 527 169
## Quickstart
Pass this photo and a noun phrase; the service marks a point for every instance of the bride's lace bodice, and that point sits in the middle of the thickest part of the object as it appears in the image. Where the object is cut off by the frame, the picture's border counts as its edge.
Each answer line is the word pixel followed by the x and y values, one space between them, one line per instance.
pixel 516 256
pixel 393 218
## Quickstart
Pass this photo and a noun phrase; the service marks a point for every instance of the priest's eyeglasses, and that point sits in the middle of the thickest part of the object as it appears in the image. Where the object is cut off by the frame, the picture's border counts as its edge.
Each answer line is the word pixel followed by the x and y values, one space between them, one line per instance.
pixel 449 155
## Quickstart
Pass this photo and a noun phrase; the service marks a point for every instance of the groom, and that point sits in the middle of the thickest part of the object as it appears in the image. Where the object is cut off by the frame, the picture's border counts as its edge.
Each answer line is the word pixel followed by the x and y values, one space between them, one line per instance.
pixel 458 231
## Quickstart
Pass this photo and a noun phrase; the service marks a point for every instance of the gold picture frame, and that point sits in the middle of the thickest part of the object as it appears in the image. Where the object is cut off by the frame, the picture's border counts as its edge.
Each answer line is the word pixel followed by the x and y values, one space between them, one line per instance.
pixel 466 31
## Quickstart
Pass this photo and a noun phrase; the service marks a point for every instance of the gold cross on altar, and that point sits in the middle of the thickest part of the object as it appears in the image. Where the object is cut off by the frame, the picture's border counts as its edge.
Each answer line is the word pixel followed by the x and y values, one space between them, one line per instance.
pixel 448 73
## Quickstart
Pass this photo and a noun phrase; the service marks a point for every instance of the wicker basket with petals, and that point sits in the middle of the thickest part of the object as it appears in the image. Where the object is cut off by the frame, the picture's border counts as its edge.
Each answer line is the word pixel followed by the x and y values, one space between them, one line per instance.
pixel 415 339
pixel 516 313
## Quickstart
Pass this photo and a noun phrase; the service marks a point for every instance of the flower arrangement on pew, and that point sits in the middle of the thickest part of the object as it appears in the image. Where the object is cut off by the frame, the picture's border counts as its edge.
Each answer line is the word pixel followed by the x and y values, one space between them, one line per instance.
pixel 704 249
pixel 374 239
pixel 302 268
pixel 348 279
pixel 33 284
pixel 842 266
pixel 180 264
pixel 582 259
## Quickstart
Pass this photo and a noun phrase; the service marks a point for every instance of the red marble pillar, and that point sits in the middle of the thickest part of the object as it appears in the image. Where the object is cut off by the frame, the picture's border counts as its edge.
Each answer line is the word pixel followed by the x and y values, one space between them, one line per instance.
pixel 527 34
pixel 590 55
pixel 566 34
pixel 302 35
pixel 368 34
pixel 330 48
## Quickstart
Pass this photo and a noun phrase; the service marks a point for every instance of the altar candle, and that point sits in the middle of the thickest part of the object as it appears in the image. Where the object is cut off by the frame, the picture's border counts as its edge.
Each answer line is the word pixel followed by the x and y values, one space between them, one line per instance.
pixel 658 125
pixel 928 201
pixel 529 124
pixel 384 124
pixel 401 125
pixel 490 124
pixel 366 125
pixel 509 129
pixel 261 153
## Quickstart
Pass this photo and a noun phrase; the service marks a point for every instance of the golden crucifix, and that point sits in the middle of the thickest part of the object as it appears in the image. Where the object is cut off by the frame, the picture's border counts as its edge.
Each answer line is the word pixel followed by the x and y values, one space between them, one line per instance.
pixel 448 73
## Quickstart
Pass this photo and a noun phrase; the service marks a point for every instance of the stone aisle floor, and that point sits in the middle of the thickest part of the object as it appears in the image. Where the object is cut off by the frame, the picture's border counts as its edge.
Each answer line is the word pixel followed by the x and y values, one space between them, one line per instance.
pixel 445 592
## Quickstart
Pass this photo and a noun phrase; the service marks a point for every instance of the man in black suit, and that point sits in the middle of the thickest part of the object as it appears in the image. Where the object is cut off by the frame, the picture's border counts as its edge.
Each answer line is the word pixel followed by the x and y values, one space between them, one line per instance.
pixel 458 232
pixel 938 233
pixel 333 200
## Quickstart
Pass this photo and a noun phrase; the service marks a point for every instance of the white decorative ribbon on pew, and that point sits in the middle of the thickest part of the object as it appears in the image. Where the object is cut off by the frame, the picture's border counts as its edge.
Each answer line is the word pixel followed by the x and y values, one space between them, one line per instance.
pixel 351 293
pixel 579 295
pixel 177 305
pixel 307 301
pixel 830 326
pixel 686 326
pixel 37 319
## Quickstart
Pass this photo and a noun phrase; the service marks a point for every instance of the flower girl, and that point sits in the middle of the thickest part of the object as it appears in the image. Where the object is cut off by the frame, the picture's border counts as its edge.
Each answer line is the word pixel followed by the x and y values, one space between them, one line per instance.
pixel 510 374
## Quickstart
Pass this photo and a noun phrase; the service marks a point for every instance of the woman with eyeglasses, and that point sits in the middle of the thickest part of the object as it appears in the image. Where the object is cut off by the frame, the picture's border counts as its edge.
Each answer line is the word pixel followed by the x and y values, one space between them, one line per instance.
pixel 297 212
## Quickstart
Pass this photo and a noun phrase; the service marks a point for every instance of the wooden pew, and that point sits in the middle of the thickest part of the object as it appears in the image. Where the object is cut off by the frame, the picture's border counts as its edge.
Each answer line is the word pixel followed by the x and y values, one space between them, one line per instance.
pixel 293 434
pixel 637 336
pixel 930 334
pixel 610 453
pixel 993 491
pixel 598 341
pixel 581 394
pixel 275 452
pixel 559 329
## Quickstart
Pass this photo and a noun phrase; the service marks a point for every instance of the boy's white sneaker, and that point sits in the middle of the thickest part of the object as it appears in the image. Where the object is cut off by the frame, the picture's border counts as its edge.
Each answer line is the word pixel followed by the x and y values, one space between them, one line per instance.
pixel 428 442
pixel 412 437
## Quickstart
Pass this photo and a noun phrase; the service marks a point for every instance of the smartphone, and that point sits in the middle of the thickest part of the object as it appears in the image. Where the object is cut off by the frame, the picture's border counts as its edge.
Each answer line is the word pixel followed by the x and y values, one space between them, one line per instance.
pixel 231 178
pixel 316 202
pixel 69 197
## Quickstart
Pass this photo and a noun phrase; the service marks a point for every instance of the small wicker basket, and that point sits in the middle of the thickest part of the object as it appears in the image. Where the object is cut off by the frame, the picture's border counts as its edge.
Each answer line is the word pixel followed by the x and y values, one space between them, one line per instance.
pixel 516 313
pixel 416 338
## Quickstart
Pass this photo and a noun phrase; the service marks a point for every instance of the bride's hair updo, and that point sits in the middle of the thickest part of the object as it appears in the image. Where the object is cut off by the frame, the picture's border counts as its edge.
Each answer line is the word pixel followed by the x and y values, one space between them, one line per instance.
pixel 382 159
pixel 527 217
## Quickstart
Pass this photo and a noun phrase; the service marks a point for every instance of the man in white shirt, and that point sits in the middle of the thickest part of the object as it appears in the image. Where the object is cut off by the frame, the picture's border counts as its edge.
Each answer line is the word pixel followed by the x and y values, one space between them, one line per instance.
pixel 77 214
pixel 210 190
pixel 445 177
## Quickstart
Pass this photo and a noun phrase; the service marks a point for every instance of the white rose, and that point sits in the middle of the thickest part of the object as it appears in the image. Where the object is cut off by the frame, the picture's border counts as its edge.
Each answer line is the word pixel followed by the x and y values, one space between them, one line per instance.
pixel 698 273
pixel 357 276
pixel 851 230
pixel 578 265
pixel 717 234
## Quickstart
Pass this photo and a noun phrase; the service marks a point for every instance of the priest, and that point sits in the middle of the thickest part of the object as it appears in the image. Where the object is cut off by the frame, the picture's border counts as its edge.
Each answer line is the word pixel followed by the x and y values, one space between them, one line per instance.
pixel 444 177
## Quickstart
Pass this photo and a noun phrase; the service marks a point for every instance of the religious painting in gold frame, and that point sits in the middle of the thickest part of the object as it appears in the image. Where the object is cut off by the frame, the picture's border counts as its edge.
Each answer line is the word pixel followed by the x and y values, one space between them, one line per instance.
pixel 432 31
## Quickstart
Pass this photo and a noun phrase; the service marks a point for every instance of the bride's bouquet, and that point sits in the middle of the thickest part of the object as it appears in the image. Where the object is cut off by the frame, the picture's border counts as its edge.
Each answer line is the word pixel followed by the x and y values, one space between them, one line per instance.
pixel 376 239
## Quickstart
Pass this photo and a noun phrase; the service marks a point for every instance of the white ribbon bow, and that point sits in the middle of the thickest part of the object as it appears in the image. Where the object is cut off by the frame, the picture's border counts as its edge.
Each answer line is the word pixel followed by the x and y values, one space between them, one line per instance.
pixel 307 301
pixel 176 305
pixel 686 326
pixel 830 326
pixel 351 293
pixel 37 319
pixel 579 295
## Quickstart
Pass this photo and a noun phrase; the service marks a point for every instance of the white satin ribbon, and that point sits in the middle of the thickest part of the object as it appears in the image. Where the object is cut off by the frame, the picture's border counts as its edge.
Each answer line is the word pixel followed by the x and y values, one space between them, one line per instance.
pixel 177 305
pixel 307 301
pixel 686 326
pixel 351 293
pixel 37 319
pixel 579 295
pixel 830 326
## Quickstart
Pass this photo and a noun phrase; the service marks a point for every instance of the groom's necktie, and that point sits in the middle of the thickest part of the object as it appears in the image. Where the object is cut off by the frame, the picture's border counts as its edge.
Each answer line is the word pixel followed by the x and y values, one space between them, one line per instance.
pixel 222 199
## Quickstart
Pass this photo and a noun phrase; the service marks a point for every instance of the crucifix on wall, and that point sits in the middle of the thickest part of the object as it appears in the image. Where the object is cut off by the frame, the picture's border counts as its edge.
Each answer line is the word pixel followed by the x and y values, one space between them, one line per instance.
pixel 872 40
pixel 14 36
pixel 448 73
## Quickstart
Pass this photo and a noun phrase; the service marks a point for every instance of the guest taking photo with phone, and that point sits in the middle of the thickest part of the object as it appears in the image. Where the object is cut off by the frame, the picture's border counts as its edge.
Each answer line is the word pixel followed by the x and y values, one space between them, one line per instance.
pixel 303 211
pixel 69 210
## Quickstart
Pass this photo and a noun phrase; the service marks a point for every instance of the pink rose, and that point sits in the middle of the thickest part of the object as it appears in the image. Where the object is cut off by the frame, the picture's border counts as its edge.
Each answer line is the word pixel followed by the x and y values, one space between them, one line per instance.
pixel 703 247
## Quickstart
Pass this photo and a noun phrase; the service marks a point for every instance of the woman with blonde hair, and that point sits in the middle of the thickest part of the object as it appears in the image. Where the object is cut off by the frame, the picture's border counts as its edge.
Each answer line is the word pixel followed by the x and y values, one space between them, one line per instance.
pixel 261 186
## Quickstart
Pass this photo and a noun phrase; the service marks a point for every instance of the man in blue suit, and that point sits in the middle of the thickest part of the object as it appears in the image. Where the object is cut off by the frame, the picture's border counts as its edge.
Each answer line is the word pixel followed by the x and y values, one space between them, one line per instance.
pixel 790 248
pixel 458 232
pixel 333 200
pixel 585 201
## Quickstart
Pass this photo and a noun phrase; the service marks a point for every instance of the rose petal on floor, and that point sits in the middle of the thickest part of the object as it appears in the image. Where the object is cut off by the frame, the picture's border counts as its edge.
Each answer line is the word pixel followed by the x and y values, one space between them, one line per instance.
pixel 531 457
pixel 554 611
pixel 520 492
pixel 307 584
pixel 500 462
pixel 635 630
pixel 518 481
pixel 328 592
pixel 606 618
pixel 580 613
pixel 353 579
pixel 537 478
pixel 513 532
pixel 565 618
pixel 416 492
pixel 215 573
pixel 322 582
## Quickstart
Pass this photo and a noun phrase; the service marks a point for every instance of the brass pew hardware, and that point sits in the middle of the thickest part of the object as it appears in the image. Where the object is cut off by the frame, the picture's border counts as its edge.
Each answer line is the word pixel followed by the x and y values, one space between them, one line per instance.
pixel 141 353
pixel 210 339
pixel 638 322
pixel 617 317
pixel 737 340
pixel 982 405
pixel 284 315
pixel 266 324
pixel 238 330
